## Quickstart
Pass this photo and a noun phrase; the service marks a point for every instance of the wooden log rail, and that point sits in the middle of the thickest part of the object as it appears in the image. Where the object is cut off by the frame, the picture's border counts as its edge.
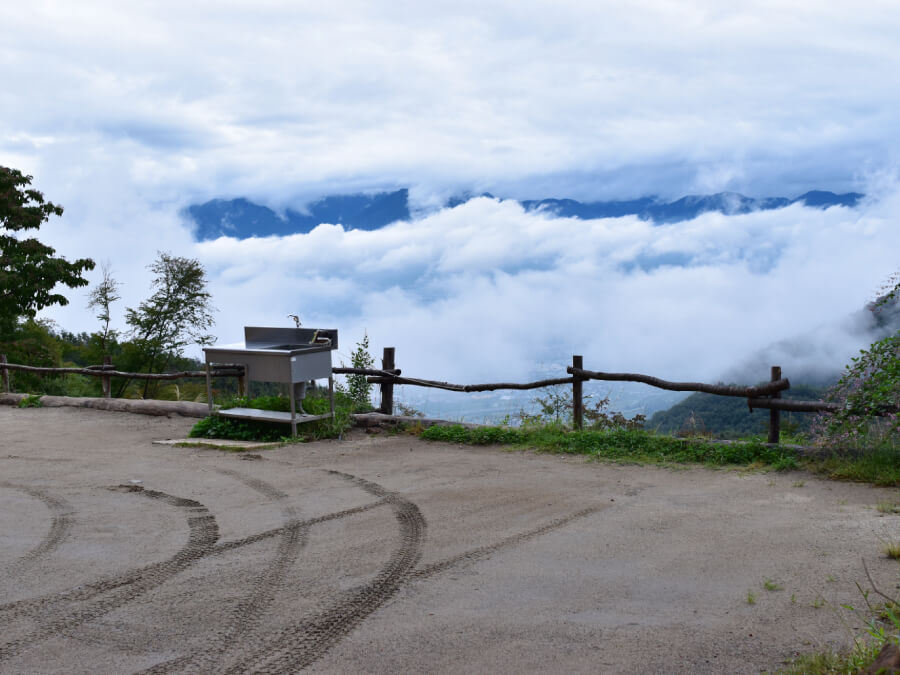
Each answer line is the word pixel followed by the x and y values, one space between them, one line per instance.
pixel 366 371
pixel 448 386
pixel 104 371
pixel 719 389
pixel 791 405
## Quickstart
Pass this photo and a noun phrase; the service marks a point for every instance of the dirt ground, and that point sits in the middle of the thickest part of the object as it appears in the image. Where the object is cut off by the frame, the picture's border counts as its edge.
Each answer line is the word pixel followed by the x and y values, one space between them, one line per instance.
pixel 387 554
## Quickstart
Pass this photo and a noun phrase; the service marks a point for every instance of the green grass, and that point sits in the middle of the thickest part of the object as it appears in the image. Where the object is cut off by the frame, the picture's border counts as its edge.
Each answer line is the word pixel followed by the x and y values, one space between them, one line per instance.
pixel 250 430
pixel 833 663
pixel 620 445
pixel 882 627
pixel 31 401
pixel 772 585
pixel 878 465
pixel 892 549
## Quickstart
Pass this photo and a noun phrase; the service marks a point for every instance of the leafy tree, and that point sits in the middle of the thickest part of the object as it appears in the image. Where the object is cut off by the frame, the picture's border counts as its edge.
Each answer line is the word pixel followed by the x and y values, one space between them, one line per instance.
pixel 869 390
pixel 100 299
pixel 358 389
pixel 34 345
pixel 28 269
pixel 176 315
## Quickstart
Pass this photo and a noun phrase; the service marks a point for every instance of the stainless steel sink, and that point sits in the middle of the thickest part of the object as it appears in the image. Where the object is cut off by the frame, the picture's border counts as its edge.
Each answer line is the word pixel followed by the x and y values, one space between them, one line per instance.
pixel 293 356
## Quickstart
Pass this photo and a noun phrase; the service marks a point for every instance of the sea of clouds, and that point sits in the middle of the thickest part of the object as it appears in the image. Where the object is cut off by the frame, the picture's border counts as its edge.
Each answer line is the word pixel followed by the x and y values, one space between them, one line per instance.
pixel 488 292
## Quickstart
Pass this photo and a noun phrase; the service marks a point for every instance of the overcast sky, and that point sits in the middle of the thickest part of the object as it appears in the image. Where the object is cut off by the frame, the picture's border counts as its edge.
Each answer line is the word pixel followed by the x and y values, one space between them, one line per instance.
pixel 125 113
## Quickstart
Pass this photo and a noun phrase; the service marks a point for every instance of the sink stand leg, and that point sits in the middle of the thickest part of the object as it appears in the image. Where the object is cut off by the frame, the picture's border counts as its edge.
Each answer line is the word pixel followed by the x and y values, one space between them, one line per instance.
pixel 208 388
pixel 331 393
pixel 293 410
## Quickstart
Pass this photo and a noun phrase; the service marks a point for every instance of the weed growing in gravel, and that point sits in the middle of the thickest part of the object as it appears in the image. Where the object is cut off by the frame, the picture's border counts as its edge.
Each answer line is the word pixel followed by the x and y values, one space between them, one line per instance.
pixel 887 507
pixel 771 585
pixel 892 549
pixel 882 627
pixel 31 401
pixel 751 598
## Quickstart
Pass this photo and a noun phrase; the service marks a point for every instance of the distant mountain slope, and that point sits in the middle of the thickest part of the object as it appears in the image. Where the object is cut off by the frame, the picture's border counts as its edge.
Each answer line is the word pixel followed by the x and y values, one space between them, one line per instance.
pixel 242 218
pixel 686 208
pixel 807 366
pixel 727 416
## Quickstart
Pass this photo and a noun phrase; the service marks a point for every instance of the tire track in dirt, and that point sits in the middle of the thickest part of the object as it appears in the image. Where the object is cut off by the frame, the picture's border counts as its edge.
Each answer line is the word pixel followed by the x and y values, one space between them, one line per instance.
pixel 60 524
pixel 242 624
pixel 484 551
pixel 268 534
pixel 93 589
pixel 297 646
pixel 55 619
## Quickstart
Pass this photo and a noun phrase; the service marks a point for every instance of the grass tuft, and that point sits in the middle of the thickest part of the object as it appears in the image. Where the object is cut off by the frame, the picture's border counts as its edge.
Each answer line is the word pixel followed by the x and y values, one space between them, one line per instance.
pixel 892 549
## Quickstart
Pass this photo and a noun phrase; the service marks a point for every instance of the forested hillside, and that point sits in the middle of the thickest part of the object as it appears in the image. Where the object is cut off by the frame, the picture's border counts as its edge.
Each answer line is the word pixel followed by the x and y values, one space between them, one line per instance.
pixel 729 417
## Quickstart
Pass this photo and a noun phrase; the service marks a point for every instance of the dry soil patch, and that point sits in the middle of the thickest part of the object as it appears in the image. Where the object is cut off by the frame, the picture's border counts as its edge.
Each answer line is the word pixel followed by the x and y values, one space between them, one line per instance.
pixel 385 554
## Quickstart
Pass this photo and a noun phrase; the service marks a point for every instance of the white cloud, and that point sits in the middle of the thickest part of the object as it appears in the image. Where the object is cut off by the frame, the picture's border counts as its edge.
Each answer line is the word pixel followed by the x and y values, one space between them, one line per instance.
pixel 487 291
pixel 278 101
pixel 125 114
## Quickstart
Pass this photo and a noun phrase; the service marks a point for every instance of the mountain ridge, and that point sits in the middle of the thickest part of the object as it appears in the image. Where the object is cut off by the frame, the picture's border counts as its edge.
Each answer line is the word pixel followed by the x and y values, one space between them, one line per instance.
pixel 243 218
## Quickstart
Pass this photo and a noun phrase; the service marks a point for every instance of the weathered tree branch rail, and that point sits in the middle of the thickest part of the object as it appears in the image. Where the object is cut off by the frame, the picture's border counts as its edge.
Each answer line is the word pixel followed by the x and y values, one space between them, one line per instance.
pixel 817 406
pixel 792 405
pixel 448 386
pixel 103 372
pixel 718 389
pixel 366 371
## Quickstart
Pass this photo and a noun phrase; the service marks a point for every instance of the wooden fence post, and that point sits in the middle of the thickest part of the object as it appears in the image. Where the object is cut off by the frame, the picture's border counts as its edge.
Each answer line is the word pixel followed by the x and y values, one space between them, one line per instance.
pixel 106 380
pixel 387 387
pixel 577 391
pixel 774 414
pixel 4 374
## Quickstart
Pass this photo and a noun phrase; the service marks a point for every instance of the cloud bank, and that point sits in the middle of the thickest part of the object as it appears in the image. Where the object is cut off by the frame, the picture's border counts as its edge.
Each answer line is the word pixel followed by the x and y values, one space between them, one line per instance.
pixel 486 291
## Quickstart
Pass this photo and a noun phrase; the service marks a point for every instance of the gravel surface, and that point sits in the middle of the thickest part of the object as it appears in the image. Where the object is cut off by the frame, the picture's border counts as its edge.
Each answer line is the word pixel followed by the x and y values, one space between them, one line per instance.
pixel 387 554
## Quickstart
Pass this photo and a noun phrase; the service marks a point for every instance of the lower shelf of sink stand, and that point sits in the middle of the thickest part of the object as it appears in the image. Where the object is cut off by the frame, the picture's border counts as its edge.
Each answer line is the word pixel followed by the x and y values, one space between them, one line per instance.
pixel 269 415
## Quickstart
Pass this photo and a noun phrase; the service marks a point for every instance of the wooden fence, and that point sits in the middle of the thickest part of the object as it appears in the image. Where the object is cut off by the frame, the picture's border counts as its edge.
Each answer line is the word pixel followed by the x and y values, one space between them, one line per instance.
pixel 764 396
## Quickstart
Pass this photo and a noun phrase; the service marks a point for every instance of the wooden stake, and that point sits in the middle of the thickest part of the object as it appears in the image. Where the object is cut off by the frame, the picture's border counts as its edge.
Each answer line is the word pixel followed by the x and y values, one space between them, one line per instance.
pixel 577 390
pixel 107 380
pixel 774 413
pixel 387 388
